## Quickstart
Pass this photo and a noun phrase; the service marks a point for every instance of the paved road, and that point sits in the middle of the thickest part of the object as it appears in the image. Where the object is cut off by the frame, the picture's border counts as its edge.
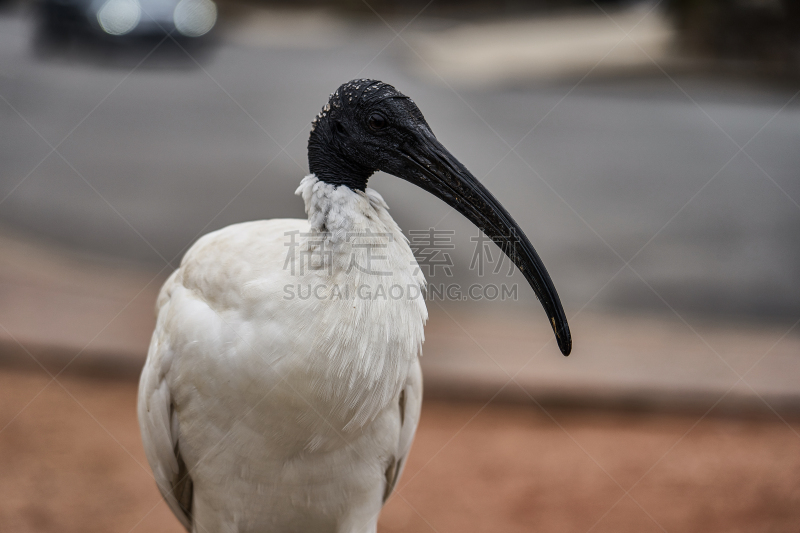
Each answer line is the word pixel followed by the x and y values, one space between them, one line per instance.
pixel 610 170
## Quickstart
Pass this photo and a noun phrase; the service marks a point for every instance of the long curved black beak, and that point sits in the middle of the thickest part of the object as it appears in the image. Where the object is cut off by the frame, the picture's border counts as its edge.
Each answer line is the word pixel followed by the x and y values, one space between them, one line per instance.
pixel 429 165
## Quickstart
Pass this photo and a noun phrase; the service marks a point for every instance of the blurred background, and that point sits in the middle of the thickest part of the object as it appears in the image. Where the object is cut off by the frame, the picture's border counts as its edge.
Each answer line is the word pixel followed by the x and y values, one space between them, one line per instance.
pixel 649 150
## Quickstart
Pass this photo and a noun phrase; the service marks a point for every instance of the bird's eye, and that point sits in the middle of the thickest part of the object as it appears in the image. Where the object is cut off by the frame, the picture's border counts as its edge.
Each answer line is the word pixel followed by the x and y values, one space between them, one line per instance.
pixel 377 122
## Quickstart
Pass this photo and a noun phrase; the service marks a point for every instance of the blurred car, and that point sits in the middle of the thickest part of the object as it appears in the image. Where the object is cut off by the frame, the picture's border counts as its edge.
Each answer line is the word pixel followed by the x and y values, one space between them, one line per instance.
pixel 128 19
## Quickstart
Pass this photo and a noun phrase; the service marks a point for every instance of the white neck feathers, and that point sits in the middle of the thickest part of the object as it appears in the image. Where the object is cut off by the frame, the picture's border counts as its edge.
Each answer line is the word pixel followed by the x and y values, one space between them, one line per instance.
pixel 374 336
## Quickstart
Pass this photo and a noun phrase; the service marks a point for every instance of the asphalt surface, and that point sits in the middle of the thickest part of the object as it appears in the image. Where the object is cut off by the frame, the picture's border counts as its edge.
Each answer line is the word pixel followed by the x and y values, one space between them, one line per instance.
pixel 155 148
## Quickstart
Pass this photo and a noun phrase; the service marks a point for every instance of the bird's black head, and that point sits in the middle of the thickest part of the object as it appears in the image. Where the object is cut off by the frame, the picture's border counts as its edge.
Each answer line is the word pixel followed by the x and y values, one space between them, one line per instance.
pixel 368 125
pixel 359 131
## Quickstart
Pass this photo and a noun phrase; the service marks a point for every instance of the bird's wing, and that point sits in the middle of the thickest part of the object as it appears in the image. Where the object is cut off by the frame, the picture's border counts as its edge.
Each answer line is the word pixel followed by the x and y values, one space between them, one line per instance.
pixel 158 421
pixel 409 404
pixel 207 266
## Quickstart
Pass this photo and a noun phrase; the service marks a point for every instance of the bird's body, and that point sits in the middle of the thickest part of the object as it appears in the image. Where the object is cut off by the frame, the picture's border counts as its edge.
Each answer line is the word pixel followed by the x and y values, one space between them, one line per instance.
pixel 298 412
pixel 282 388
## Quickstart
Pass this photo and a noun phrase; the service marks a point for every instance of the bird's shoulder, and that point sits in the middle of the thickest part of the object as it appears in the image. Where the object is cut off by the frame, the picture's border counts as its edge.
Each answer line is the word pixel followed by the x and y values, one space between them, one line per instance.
pixel 224 265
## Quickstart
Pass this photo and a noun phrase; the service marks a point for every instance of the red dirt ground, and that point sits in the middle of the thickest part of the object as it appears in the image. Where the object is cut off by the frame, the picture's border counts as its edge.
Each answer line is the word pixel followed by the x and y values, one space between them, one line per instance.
pixel 71 461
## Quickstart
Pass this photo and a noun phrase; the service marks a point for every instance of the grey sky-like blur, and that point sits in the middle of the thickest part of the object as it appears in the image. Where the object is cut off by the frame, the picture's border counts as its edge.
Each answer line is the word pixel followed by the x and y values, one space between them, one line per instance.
pixel 692 179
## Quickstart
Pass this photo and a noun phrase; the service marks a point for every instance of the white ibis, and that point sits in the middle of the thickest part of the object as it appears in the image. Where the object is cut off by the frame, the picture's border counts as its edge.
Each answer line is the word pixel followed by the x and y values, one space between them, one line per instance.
pixel 267 408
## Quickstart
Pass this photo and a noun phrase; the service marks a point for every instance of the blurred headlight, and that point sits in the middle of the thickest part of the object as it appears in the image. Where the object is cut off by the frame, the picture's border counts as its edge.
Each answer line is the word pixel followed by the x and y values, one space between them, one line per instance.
pixel 118 17
pixel 194 18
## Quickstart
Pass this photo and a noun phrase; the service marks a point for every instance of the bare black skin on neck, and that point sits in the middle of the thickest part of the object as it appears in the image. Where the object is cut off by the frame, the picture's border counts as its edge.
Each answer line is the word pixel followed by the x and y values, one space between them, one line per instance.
pixel 369 125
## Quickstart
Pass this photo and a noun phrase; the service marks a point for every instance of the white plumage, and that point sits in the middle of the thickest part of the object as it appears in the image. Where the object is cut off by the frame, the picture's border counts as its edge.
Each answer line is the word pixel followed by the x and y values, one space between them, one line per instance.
pixel 289 414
